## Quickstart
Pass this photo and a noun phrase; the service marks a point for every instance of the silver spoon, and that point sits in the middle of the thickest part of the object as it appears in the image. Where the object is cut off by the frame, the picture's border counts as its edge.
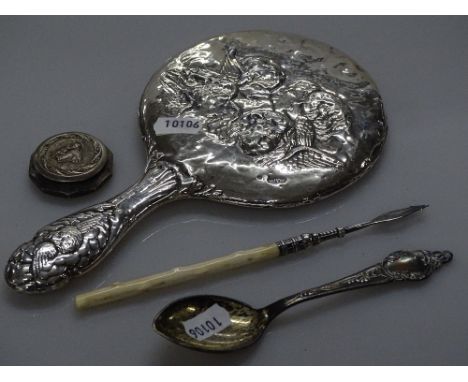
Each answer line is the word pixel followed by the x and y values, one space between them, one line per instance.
pixel 220 324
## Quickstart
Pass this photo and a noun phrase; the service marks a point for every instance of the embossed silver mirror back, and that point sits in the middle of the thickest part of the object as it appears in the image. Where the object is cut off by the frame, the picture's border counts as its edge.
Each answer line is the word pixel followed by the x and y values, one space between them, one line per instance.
pixel 284 120
pixel 275 121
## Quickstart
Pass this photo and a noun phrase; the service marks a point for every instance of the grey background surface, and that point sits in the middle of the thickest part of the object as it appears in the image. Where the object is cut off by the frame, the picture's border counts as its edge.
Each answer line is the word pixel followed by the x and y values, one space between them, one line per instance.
pixel 87 74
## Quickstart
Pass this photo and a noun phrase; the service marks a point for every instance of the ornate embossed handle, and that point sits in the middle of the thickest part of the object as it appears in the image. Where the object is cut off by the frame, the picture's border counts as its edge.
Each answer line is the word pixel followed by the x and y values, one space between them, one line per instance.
pixel 398 266
pixel 74 244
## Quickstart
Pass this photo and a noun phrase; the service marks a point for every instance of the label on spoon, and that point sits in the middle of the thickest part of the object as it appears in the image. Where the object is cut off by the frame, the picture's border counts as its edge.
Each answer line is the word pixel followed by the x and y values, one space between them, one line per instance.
pixel 213 320
pixel 176 125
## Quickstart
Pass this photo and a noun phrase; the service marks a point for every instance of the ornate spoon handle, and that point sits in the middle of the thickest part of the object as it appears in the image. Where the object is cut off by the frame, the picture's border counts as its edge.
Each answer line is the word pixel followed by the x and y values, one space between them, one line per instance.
pixel 398 266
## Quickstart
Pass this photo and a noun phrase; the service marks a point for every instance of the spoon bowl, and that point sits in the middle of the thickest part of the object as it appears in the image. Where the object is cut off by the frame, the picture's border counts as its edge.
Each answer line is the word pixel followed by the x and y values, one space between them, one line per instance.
pixel 246 323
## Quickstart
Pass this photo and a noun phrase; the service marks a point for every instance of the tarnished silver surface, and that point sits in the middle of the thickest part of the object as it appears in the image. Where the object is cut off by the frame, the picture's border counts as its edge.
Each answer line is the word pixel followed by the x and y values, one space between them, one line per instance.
pixel 247 324
pixel 70 164
pixel 70 157
pixel 283 121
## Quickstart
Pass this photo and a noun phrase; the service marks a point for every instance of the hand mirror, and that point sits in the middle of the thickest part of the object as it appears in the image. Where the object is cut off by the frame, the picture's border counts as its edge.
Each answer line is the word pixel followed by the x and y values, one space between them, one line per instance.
pixel 255 118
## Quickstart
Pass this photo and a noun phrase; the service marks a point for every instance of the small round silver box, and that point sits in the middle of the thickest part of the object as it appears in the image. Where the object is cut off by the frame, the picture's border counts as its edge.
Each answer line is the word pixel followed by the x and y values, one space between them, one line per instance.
pixel 70 164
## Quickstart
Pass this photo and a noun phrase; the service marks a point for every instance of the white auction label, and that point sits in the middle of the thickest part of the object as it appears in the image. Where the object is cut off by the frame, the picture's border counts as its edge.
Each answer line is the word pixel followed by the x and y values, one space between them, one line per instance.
pixel 211 321
pixel 176 125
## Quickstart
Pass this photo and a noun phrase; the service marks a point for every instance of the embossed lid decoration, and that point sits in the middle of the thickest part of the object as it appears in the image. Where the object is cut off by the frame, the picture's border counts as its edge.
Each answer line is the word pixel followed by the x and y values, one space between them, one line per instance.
pixel 70 164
